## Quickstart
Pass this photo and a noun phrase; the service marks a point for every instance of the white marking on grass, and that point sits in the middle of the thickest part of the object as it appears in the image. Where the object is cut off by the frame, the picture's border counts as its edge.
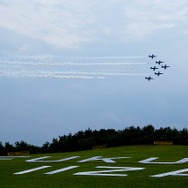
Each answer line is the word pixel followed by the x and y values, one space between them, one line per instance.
pixel 39 160
pixel 107 172
pixel 99 158
pixel 149 161
pixel 31 170
pixel 6 158
pixel 61 170
pixel 173 173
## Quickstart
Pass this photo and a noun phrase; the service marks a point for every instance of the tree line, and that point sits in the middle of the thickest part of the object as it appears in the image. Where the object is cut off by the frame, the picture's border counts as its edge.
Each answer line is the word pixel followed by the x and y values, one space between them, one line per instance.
pixel 90 139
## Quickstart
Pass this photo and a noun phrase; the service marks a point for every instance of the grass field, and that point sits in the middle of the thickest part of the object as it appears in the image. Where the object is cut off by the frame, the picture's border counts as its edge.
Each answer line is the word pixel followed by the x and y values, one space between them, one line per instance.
pixel 135 178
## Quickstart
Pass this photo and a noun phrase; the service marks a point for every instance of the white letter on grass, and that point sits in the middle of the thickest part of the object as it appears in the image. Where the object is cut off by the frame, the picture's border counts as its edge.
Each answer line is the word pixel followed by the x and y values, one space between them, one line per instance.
pixel 39 160
pixel 32 170
pixel 183 172
pixel 99 158
pixel 149 161
pixel 107 172
pixel 61 170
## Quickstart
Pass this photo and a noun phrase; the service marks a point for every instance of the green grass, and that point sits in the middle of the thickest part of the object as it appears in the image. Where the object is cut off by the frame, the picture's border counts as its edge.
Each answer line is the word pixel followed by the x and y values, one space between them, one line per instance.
pixel 140 179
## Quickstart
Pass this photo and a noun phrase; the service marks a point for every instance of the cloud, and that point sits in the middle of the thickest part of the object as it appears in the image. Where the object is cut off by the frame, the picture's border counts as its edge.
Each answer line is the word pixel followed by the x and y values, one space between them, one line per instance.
pixel 60 23
pixel 70 24
pixel 146 17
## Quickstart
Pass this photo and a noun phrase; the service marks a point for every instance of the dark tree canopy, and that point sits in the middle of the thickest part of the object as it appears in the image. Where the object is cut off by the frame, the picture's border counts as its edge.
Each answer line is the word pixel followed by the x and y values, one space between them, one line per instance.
pixel 89 139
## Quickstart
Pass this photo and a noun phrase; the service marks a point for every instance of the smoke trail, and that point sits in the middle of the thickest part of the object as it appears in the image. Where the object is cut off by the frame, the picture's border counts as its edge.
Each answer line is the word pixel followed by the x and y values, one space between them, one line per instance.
pixel 100 73
pixel 70 68
pixel 23 63
pixel 49 58
pixel 110 57
pixel 64 75
pixel 46 75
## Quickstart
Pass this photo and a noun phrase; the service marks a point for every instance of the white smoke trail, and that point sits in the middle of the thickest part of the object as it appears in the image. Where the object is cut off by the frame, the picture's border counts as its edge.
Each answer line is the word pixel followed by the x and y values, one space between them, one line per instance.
pixel 65 75
pixel 47 67
pixel 20 63
pixel 46 75
pixel 109 57
pixel 99 73
pixel 52 58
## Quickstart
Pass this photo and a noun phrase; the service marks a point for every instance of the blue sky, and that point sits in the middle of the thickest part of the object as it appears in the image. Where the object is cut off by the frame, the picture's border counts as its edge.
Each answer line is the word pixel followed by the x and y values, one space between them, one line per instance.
pixel 37 109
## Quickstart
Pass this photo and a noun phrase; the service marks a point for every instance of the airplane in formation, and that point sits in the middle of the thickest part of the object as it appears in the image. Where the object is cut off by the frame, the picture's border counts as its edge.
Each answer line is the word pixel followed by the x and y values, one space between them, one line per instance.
pixel 148 78
pixel 154 68
pixel 159 62
pixel 152 56
pixel 165 66
pixel 158 73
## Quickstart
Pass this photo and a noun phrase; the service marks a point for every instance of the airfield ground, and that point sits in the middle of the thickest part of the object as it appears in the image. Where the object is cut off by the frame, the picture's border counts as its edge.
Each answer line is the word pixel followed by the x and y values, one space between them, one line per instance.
pixel 128 166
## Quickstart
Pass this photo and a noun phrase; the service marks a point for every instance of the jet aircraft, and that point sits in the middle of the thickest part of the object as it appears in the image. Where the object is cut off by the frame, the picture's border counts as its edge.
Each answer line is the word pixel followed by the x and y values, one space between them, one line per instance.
pixel 159 62
pixel 148 78
pixel 165 66
pixel 153 68
pixel 152 56
pixel 158 73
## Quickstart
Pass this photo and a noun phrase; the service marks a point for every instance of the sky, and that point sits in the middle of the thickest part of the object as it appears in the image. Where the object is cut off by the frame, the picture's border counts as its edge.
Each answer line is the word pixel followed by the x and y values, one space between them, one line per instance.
pixel 67 66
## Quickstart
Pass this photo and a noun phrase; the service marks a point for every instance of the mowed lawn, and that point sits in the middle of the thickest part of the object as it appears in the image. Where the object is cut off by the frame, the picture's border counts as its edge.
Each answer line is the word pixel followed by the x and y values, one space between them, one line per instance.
pixel 80 171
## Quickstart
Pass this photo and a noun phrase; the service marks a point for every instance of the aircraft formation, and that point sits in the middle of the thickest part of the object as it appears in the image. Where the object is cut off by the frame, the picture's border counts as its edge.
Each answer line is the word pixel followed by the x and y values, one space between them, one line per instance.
pixel 159 65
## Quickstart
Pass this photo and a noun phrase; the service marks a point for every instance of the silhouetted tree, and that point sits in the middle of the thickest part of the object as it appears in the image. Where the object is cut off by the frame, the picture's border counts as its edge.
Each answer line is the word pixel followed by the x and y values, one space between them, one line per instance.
pixel 9 147
pixel 22 146
pixel 88 139
pixel 45 147
pixel 147 135
pixel 2 149
pixel 184 136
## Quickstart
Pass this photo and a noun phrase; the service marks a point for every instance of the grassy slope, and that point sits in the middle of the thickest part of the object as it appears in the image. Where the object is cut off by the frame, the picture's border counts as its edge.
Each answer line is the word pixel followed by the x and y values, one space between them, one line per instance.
pixel 135 179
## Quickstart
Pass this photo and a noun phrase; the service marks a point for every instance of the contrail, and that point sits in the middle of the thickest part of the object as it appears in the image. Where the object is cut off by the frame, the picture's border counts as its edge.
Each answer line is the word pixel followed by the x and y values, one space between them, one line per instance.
pixel 91 64
pixel 65 75
pixel 41 57
pixel 46 75
pixel 108 57
pixel 101 73
pixel 70 64
pixel 49 58
pixel 84 75
pixel 70 68
pixel 54 57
